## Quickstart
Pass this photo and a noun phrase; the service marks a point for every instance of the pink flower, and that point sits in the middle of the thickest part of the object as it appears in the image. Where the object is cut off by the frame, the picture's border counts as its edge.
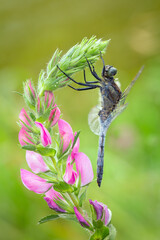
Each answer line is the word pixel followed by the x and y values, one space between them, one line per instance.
pixel 45 136
pixel 25 119
pixel 54 115
pixel 24 137
pixel 66 133
pixel 81 219
pixel 49 98
pixel 36 162
pixel 102 211
pixel 52 195
pixel 33 182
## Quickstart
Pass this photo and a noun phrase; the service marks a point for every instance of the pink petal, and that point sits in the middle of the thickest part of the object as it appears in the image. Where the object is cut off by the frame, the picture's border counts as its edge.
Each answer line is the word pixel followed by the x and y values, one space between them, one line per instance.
pixel 24 117
pixel 70 175
pixel 56 113
pixel 107 216
pixel 84 166
pixel 36 162
pixel 49 97
pixel 45 136
pixel 65 132
pixel 33 182
pixel 24 137
pixel 80 218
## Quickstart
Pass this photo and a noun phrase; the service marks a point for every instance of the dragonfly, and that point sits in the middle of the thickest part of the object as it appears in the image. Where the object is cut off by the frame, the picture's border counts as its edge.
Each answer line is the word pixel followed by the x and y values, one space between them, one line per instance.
pixel 112 103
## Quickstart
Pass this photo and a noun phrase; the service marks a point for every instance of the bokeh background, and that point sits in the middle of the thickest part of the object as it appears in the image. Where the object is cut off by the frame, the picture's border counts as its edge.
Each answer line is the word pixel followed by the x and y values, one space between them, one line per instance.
pixel 30 31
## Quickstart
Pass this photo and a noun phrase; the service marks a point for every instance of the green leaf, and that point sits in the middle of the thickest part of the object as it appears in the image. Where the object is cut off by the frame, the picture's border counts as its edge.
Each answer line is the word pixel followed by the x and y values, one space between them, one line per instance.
pixel 112 232
pixel 82 197
pixel 97 223
pixel 44 151
pixel 63 187
pixel 50 176
pixel 75 139
pixel 29 147
pixel 100 233
pixel 48 218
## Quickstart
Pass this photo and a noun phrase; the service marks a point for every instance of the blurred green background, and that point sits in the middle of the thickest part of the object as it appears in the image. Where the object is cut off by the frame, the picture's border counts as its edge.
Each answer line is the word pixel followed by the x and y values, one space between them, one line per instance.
pixel 30 32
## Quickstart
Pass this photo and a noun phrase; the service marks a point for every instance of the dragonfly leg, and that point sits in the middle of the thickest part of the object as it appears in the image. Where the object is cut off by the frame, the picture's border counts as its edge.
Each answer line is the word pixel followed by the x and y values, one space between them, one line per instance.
pixel 79 83
pixel 93 71
pixel 84 73
pixel 82 89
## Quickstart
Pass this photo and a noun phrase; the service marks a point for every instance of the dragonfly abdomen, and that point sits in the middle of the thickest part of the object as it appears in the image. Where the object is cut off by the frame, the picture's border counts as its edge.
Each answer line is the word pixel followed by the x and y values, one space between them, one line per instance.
pixel 100 159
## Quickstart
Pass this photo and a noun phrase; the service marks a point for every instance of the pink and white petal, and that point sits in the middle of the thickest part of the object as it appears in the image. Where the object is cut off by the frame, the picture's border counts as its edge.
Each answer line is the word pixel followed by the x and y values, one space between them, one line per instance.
pixel 70 175
pixel 33 182
pixel 108 215
pixel 84 166
pixel 45 135
pixel 24 137
pixel 36 162
pixel 65 132
pixel 80 218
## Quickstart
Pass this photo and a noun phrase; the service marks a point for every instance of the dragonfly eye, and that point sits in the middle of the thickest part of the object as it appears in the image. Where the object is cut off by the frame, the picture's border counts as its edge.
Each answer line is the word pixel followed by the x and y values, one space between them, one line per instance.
pixel 112 71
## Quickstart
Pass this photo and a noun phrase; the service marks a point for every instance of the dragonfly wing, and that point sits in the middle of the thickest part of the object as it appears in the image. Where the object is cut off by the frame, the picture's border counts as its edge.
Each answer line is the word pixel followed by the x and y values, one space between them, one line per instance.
pixel 94 120
pixel 127 90
pixel 120 108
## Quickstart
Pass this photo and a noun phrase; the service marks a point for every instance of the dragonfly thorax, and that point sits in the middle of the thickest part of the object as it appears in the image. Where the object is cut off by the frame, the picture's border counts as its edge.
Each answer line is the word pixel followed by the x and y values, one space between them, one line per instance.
pixel 108 72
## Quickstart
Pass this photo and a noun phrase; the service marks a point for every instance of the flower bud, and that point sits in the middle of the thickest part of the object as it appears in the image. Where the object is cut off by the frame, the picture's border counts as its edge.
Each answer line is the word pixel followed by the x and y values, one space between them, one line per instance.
pixel 54 115
pixel 24 137
pixel 29 94
pixel 24 119
pixel 102 212
pixel 49 99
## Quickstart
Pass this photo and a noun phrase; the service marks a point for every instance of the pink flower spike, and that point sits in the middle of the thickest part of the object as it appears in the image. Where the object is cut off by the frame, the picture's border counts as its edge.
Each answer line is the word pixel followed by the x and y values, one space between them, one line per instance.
pixel 70 175
pixel 65 132
pixel 54 115
pixel 24 137
pixel 33 182
pixel 36 162
pixel 80 218
pixel 84 166
pixel 24 117
pixel 45 136
pixel 48 96
pixel 50 196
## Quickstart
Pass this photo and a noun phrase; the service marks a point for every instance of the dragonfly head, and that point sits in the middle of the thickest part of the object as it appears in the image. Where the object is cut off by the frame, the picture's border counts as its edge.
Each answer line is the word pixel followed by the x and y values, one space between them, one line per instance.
pixel 108 71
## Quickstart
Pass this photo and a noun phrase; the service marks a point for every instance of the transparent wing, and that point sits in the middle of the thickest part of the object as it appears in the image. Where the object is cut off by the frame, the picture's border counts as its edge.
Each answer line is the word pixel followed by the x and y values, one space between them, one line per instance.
pixel 127 90
pixel 94 120
pixel 119 109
